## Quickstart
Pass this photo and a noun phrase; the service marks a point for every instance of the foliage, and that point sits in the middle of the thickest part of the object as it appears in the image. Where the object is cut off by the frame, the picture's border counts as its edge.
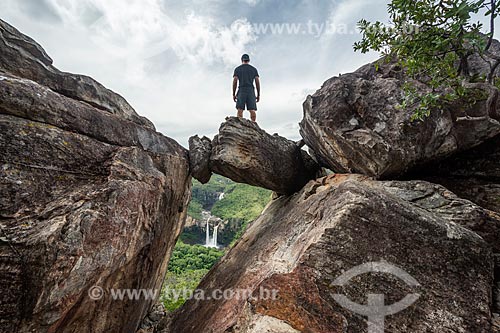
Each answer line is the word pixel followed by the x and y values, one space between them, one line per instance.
pixel 432 40
pixel 176 287
pixel 190 236
pixel 243 202
pixel 204 193
pixel 192 257
pixel 240 201
pixel 217 183
pixel 194 209
pixel 188 265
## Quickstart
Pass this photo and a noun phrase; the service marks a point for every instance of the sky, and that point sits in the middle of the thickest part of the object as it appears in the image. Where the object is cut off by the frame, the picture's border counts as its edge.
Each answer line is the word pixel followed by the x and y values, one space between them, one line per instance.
pixel 173 60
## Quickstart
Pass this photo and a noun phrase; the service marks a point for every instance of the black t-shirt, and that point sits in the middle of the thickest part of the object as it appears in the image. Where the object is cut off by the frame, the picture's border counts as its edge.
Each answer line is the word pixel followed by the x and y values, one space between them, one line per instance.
pixel 246 75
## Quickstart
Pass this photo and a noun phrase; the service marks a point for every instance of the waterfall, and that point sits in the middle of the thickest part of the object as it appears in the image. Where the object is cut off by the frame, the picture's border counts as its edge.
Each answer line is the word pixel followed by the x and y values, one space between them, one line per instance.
pixel 207 232
pixel 214 238
pixel 211 241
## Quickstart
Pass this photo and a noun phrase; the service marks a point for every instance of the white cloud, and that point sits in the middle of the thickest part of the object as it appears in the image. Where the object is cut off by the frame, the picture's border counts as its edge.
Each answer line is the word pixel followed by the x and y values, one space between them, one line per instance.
pixel 348 12
pixel 173 61
pixel 140 29
pixel 251 2
pixel 125 42
pixel 175 65
pixel 202 39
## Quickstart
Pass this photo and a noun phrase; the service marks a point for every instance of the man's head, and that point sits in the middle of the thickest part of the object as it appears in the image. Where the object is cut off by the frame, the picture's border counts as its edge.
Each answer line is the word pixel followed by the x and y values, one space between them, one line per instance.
pixel 245 58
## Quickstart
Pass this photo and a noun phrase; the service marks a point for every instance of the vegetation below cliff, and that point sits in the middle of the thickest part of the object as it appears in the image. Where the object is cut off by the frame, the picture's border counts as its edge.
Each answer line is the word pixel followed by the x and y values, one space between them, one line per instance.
pixel 242 202
pixel 236 204
pixel 223 198
pixel 187 266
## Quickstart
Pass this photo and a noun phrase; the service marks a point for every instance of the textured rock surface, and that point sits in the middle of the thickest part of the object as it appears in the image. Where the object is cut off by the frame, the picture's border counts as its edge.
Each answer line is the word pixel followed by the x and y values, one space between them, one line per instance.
pixel 23 57
pixel 496 288
pixel 354 123
pixel 245 153
pixel 302 243
pixel 90 196
pixel 152 319
pixel 200 150
pixel 474 174
pixel 447 205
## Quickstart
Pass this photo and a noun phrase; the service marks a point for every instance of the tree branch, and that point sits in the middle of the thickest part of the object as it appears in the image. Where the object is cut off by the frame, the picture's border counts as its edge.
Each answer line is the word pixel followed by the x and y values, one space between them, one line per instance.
pixel 493 70
pixel 492 24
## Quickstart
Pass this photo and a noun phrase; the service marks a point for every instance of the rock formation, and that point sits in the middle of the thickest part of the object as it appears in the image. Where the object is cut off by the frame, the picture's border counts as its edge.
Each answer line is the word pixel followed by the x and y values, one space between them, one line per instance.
pixel 305 241
pixel 302 243
pixel 496 295
pixel 200 150
pixel 355 124
pixel 473 174
pixel 245 153
pixel 91 196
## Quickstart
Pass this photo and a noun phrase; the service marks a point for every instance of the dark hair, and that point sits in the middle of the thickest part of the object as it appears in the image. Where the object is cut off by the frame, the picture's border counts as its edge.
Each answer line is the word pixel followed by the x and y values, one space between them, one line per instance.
pixel 245 57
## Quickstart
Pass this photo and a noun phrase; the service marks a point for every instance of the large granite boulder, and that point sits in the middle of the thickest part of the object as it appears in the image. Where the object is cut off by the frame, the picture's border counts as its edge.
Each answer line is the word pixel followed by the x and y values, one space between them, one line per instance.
pixel 303 247
pixel 92 199
pixel 496 295
pixel 245 153
pixel 355 122
pixel 473 174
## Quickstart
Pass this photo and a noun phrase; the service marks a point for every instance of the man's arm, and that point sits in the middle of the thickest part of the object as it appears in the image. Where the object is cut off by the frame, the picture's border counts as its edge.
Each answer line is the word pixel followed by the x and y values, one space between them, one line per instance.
pixel 257 85
pixel 235 85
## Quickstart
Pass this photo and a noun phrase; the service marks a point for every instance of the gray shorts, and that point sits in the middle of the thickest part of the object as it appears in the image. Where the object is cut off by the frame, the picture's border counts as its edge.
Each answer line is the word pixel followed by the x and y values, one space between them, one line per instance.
pixel 246 97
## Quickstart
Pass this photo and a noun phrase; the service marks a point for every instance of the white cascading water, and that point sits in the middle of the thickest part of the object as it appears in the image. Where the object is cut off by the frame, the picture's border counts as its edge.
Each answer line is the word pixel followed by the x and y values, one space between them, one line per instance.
pixel 214 238
pixel 211 241
pixel 207 239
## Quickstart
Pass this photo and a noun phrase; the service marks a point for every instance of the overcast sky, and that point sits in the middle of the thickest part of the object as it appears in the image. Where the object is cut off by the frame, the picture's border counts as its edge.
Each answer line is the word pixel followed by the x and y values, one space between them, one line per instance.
pixel 173 60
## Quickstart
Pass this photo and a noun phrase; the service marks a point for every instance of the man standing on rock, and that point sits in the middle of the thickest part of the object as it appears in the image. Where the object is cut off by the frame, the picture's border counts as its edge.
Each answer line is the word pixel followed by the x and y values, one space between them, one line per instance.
pixel 246 74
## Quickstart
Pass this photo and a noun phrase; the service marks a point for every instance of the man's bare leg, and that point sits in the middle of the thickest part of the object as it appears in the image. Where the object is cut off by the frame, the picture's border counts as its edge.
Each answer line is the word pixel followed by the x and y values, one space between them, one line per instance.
pixel 240 113
pixel 253 115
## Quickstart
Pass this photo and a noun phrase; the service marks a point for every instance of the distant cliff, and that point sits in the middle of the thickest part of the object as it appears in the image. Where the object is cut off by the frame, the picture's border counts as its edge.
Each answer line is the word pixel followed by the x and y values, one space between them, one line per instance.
pixel 224 203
